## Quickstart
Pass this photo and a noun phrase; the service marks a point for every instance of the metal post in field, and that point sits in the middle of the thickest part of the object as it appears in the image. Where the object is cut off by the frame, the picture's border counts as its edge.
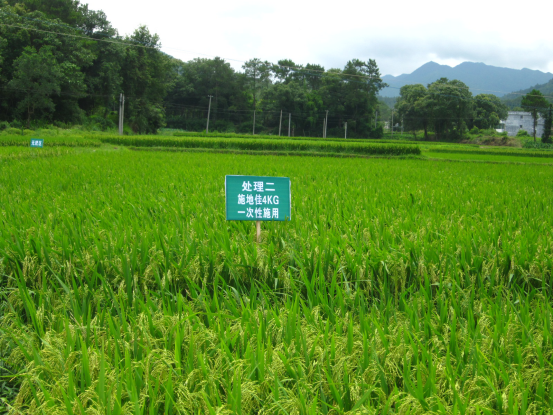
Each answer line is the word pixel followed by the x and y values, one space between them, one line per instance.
pixel 324 127
pixel 326 123
pixel 289 122
pixel 258 230
pixel 119 123
pixel 280 124
pixel 550 110
pixel 121 112
pixel 123 116
pixel 208 112
pixel 392 124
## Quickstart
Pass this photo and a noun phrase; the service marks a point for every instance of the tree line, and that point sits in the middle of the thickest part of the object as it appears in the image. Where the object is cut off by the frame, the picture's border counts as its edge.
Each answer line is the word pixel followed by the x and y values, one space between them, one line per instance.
pixel 63 63
pixel 303 94
pixel 448 109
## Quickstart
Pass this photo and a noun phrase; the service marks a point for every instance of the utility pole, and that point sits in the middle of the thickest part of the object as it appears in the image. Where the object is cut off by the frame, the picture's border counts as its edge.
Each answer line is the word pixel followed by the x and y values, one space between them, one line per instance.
pixel 392 124
pixel 289 122
pixel 375 117
pixel 208 111
pixel 326 123
pixel 346 130
pixel 121 112
pixel 324 127
pixel 280 124
pixel 253 133
pixel 549 124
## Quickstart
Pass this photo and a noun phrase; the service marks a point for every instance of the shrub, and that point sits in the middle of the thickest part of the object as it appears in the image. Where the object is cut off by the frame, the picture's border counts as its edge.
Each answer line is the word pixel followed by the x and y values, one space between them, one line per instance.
pixel 12 131
pixel 522 133
pixel 474 130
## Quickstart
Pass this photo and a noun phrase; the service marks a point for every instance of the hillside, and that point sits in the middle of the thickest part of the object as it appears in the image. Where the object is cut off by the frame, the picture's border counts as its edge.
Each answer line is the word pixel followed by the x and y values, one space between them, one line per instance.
pixel 514 99
pixel 480 78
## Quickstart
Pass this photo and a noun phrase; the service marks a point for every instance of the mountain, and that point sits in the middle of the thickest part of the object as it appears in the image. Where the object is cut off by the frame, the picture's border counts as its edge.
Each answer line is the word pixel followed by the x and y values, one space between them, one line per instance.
pixel 514 99
pixel 479 77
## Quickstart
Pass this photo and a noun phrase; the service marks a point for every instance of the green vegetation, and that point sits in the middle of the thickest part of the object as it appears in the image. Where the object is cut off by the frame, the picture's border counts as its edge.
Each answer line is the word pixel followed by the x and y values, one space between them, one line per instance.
pixel 492 152
pixel 17 153
pixel 447 108
pixel 66 65
pixel 540 146
pixel 514 100
pixel 53 141
pixel 400 286
pixel 264 145
pixel 535 103
pixel 485 158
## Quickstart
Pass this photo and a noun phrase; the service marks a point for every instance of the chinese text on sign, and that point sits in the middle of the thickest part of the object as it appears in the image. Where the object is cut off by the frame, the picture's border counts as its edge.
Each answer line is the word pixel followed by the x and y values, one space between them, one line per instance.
pixel 258 198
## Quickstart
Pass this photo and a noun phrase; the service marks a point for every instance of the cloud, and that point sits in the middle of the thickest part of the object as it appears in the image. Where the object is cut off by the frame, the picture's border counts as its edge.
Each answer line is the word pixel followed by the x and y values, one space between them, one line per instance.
pixel 400 37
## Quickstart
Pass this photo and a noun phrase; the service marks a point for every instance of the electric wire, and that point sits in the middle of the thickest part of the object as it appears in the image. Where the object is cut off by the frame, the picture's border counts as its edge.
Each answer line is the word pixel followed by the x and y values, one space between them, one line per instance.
pixel 294 68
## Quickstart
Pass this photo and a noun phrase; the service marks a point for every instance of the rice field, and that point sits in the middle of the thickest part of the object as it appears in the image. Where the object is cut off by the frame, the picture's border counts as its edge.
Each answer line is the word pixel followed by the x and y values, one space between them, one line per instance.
pixel 304 146
pixel 11 141
pixel 399 287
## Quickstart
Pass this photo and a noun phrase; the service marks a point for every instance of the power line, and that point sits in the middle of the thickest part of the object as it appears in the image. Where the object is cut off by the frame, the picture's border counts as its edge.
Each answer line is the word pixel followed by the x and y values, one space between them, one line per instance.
pixel 79 37
pixel 293 68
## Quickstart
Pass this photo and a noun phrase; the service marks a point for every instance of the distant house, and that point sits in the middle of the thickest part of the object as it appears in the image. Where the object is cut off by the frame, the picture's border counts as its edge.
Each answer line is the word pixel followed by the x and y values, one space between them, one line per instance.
pixel 519 120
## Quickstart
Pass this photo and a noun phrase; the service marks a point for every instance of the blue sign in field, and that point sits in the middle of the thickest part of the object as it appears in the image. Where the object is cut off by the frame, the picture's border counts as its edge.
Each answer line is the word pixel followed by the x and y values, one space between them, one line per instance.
pixel 258 198
pixel 37 142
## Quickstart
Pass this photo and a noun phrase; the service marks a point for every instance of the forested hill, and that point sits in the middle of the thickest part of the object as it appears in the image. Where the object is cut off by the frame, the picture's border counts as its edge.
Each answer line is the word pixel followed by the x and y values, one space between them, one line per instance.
pixel 514 99
pixel 64 64
pixel 479 77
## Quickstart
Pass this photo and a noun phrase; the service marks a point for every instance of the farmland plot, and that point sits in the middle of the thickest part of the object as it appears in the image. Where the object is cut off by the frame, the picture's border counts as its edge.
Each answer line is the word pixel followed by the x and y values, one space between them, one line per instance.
pixel 400 286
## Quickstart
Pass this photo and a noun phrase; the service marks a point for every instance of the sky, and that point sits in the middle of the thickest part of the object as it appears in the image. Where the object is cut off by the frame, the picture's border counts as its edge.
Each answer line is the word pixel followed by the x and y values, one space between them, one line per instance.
pixel 401 36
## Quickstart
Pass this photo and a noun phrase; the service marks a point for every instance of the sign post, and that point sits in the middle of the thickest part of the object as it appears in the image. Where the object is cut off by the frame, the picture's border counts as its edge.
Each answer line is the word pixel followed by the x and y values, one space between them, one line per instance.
pixel 37 142
pixel 258 198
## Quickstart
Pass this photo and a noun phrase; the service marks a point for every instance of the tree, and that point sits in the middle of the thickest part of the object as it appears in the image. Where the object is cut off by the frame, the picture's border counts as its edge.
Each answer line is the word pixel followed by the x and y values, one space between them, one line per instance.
pixel 546 137
pixel 283 70
pixel 3 43
pixel 68 11
pixel 412 108
pixel 449 104
pixel 258 78
pixel 146 79
pixel 312 74
pixel 488 111
pixel 38 76
pixel 535 103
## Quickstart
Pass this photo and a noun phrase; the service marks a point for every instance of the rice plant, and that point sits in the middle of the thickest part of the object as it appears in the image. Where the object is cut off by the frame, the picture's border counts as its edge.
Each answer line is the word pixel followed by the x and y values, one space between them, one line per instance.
pixel 264 145
pixel 399 287
pixel 49 141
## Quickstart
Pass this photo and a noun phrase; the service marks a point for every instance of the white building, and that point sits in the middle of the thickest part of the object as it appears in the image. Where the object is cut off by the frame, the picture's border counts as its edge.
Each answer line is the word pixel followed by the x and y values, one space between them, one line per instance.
pixel 519 120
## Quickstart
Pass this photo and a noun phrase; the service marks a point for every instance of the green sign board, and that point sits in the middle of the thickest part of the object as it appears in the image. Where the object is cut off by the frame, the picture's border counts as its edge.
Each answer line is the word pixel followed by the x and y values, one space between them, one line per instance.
pixel 258 198
pixel 37 142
